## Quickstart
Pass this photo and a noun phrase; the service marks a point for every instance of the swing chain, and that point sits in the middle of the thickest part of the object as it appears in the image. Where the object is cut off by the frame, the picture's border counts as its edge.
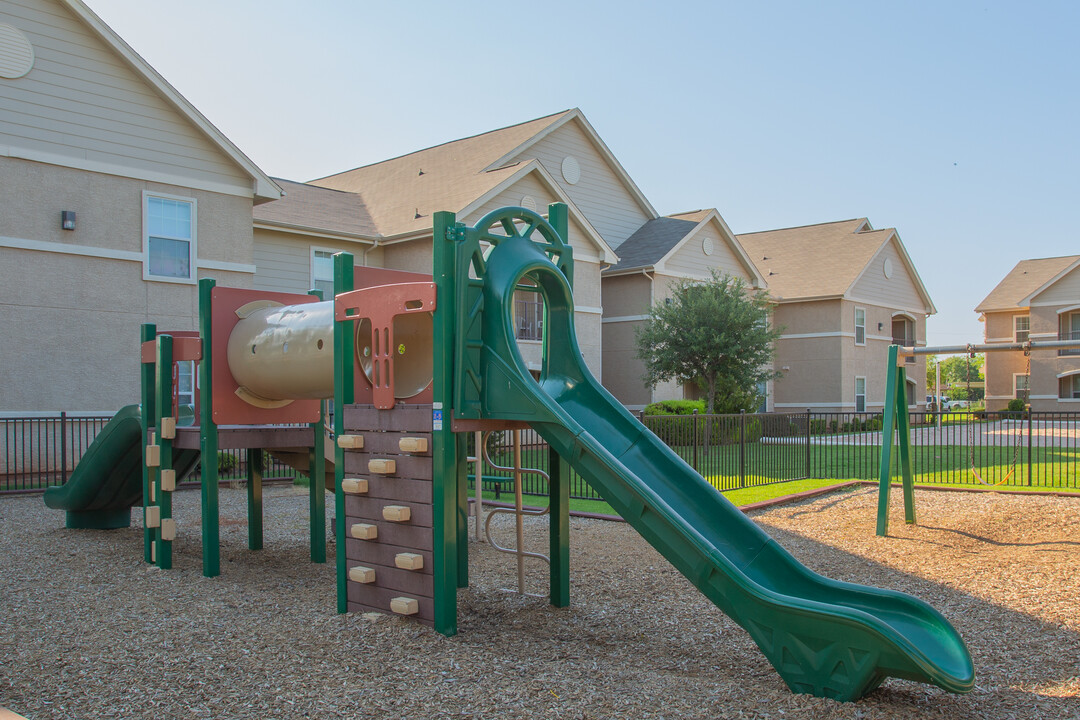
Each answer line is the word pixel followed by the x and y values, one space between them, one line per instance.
pixel 1019 428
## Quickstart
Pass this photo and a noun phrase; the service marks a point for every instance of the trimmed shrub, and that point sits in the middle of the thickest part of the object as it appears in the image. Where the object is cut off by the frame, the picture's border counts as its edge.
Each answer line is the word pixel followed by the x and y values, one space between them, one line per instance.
pixel 675 407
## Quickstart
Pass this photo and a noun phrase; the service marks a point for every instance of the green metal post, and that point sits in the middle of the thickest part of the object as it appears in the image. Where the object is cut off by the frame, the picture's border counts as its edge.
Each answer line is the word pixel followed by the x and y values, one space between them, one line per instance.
pixel 164 399
pixel 146 374
pixel 317 484
pixel 903 431
pixel 344 394
pixel 445 448
pixel 208 440
pixel 254 498
pixel 559 217
pixel 888 423
pixel 559 528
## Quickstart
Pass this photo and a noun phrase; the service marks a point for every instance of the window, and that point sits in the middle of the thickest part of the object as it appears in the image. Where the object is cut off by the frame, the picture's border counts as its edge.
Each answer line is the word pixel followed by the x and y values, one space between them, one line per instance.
pixel 169 238
pixel 860 394
pixel 860 326
pixel 1021 386
pixel 185 382
pixel 322 272
pixel 1021 327
pixel 903 333
pixel 528 315
pixel 1070 387
pixel 1069 330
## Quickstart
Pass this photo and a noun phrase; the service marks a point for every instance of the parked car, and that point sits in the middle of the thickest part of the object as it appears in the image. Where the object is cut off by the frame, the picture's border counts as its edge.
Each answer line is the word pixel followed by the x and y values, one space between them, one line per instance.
pixel 934 405
pixel 948 405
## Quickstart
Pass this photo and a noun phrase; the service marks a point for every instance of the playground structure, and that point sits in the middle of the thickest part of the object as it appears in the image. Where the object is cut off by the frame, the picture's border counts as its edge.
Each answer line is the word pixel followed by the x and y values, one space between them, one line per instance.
pixel 895 417
pixel 400 461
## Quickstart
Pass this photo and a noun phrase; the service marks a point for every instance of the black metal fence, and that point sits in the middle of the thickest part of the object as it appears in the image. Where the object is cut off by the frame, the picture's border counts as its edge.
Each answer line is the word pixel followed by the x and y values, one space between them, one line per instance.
pixel 1040 450
pixel 43 450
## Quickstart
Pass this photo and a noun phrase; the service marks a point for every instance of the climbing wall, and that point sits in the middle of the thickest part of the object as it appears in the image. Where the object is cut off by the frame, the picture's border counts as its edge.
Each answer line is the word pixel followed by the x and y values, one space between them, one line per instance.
pixel 388 509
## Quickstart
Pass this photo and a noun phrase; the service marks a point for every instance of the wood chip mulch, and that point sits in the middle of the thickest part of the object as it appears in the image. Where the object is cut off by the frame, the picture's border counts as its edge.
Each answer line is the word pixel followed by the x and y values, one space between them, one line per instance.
pixel 87 630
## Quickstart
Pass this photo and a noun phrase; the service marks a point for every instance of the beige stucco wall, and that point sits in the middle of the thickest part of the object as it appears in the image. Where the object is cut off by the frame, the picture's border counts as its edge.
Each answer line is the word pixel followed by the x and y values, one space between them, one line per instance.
pixel 624 297
pixel 820 360
pixel 69 331
pixel 1046 365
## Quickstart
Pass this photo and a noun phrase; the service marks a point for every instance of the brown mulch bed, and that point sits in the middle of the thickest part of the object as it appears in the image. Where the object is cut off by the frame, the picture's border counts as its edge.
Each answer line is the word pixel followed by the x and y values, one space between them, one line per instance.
pixel 87 630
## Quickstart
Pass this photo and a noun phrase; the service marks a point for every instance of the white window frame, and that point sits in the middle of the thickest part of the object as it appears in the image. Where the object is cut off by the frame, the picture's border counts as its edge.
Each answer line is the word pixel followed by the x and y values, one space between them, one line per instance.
pixel 311 266
pixel 193 242
pixel 1072 378
pixel 863 326
pixel 1016 331
pixel 858 394
pixel 1015 390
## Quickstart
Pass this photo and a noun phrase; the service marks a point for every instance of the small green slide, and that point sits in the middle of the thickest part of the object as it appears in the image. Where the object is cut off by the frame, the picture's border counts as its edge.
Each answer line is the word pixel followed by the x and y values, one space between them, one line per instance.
pixel 828 638
pixel 107 482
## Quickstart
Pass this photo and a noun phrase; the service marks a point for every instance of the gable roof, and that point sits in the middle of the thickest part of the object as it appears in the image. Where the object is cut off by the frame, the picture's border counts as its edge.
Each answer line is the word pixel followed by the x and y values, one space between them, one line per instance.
pixel 402 193
pixel 319 210
pixel 263 188
pixel 575 114
pixel 822 261
pixel 650 243
pixel 307 208
pixel 1026 280
pixel 660 238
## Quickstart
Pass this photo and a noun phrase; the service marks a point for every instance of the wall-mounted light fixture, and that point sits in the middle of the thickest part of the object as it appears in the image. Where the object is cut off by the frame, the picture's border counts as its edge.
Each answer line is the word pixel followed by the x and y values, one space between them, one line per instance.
pixel 880 326
pixel 67 219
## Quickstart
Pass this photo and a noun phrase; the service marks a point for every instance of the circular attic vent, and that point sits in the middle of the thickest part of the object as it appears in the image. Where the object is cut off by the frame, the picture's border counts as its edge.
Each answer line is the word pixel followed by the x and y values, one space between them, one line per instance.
pixel 707 246
pixel 571 171
pixel 528 202
pixel 887 268
pixel 16 53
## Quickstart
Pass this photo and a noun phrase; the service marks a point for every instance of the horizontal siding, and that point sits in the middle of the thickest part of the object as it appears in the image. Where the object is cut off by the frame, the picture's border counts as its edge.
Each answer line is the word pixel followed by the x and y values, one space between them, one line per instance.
pixel 82 101
pixel 600 194
pixel 1065 291
pixel 899 291
pixel 692 260
pixel 282 265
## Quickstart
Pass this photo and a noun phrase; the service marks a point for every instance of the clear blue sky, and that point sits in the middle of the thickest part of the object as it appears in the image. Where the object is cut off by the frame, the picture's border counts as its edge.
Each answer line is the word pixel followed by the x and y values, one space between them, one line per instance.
pixel 954 122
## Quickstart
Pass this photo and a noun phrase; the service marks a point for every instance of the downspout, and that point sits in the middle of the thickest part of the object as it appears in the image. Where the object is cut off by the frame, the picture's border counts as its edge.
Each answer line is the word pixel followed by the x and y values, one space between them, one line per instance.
pixel 363 258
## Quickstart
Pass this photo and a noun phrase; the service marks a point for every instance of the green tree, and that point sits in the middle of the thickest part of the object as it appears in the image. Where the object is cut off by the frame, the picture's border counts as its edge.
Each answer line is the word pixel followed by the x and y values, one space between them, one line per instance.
pixel 958 369
pixel 715 333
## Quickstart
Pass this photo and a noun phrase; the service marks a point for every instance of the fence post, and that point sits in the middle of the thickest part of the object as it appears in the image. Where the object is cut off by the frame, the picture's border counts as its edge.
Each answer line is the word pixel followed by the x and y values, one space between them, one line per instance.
pixel 1029 448
pixel 694 440
pixel 808 434
pixel 64 447
pixel 742 448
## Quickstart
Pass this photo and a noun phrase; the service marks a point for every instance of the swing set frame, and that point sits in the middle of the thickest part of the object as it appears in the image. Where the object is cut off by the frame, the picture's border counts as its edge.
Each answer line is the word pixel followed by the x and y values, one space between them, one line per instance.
pixel 896 422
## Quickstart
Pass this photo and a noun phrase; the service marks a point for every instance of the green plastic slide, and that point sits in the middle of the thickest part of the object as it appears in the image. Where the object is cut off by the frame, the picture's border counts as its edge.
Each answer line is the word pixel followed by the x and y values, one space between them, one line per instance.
pixel 824 637
pixel 107 482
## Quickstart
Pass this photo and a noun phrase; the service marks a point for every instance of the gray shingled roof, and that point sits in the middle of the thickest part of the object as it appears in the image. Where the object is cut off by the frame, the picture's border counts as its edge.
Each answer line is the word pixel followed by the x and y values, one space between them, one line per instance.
pixel 317 208
pixel 651 242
